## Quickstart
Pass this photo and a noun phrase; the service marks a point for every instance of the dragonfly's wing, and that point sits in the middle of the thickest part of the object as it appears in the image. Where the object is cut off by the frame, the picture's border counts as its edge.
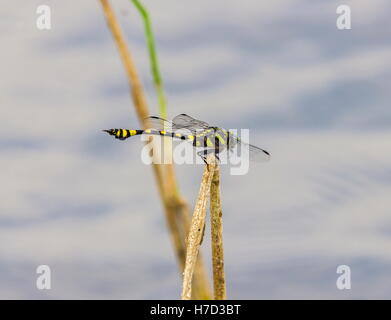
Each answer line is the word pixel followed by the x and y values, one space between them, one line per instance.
pixel 159 123
pixel 185 121
pixel 255 153
pixel 258 154
pixel 181 121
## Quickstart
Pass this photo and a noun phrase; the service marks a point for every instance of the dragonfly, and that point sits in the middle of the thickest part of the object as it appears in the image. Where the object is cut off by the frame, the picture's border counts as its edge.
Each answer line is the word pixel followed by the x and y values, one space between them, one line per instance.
pixel 209 139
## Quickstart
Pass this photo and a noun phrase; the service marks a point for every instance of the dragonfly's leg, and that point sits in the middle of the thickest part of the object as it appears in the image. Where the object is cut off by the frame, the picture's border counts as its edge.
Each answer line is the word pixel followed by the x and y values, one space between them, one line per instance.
pixel 204 154
pixel 217 146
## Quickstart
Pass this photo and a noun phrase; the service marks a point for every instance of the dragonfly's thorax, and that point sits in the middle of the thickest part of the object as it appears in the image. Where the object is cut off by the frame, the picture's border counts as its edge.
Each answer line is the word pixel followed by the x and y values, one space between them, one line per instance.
pixel 218 138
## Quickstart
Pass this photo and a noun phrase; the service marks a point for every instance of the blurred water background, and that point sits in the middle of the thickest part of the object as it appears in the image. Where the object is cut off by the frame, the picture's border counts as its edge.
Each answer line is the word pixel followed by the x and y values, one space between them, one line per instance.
pixel 316 97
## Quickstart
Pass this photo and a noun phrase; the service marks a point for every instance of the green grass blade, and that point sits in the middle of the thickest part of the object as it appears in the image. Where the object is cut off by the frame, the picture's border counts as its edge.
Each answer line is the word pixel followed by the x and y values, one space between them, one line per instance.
pixel 157 79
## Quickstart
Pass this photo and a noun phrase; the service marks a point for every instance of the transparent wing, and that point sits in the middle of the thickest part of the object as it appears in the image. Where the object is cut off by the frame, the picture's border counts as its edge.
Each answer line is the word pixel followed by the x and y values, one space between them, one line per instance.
pixel 185 121
pixel 159 123
pixel 181 121
pixel 254 153
pixel 258 154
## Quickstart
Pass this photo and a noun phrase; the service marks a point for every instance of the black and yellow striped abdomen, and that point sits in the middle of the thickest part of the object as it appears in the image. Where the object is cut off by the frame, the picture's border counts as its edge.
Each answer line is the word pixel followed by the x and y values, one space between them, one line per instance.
pixel 123 134
pixel 209 138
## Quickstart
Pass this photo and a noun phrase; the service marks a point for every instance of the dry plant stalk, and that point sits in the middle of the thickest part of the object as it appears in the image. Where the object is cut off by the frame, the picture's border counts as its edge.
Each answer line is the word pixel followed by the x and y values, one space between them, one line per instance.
pixel 216 218
pixel 176 209
pixel 194 238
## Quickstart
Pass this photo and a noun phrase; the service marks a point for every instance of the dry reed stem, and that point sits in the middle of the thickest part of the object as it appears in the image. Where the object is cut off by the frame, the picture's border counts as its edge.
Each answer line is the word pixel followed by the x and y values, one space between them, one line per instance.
pixel 176 209
pixel 216 218
pixel 197 227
